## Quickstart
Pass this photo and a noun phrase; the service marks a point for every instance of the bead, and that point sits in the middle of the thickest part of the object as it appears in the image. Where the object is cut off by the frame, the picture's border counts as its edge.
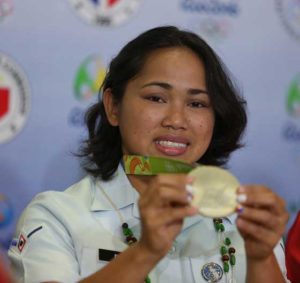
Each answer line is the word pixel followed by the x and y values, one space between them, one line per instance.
pixel 128 238
pixel 227 241
pixel 217 226
pixel 225 257
pixel 222 228
pixel 124 225
pixel 127 232
pixel 226 266
pixel 232 260
pixel 223 250
pixel 231 250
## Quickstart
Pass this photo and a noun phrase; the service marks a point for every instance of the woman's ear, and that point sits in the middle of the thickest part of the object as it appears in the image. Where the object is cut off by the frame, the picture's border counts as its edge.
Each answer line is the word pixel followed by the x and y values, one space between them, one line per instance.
pixel 111 107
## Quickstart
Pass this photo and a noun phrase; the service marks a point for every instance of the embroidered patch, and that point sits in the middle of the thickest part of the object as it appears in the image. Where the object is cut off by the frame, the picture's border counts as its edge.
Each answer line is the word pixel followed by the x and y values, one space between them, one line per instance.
pixel 21 243
pixel 212 272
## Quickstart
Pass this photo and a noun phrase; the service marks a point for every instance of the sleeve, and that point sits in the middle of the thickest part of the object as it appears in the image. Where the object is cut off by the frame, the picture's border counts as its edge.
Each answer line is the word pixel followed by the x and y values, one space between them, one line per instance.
pixel 279 252
pixel 42 249
pixel 293 251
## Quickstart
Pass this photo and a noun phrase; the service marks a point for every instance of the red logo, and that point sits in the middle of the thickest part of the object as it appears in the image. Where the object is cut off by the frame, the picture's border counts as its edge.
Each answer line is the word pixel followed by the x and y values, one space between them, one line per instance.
pixel 4 101
pixel 112 2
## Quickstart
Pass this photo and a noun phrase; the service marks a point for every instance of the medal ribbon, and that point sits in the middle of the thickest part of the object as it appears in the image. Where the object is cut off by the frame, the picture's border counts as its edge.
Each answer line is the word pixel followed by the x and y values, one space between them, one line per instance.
pixel 150 165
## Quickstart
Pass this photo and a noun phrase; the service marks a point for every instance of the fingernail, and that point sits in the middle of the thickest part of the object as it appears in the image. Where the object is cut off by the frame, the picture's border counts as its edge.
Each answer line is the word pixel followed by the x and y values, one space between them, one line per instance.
pixel 241 189
pixel 189 189
pixel 241 198
pixel 189 198
pixel 190 179
pixel 239 209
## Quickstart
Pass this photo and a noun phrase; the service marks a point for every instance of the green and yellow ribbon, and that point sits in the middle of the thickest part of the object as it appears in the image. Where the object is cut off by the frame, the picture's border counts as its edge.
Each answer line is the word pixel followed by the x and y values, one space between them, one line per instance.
pixel 150 165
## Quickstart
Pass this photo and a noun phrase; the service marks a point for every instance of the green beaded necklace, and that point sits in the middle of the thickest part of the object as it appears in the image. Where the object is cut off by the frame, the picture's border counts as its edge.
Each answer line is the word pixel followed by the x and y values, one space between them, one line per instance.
pixel 127 232
pixel 130 239
pixel 227 252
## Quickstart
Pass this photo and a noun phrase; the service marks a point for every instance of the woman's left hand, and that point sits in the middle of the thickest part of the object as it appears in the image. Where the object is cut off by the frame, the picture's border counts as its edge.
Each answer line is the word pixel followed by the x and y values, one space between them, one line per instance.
pixel 262 220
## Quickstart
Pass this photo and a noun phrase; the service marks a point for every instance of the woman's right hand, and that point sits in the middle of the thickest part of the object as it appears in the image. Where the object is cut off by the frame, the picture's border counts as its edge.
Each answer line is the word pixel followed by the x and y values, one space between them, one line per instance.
pixel 163 206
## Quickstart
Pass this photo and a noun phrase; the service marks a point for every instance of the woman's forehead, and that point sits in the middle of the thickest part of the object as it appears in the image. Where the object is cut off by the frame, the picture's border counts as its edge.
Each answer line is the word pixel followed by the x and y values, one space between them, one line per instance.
pixel 174 67
pixel 172 54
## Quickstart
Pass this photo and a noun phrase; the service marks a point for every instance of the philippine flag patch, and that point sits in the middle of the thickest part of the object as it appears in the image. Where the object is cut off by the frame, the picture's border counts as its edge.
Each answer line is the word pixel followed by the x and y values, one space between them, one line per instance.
pixel 21 243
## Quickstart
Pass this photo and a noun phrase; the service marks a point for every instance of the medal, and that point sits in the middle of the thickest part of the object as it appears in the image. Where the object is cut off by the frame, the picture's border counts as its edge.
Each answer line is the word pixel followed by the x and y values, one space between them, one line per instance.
pixel 214 188
pixel 214 191
pixel 212 272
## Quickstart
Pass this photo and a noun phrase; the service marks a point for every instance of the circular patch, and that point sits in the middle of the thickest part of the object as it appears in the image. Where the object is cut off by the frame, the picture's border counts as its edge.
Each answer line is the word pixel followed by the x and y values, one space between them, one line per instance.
pixel 105 12
pixel 212 272
pixel 214 191
pixel 14 98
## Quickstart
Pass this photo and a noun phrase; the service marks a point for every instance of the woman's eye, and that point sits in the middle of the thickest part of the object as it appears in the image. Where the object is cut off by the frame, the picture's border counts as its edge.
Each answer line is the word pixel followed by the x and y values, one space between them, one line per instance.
pixel 197 104
pixel 155 98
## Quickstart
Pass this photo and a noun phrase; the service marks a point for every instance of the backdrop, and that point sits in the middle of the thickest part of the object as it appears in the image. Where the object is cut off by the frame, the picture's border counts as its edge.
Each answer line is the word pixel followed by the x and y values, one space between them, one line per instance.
pixel 53 57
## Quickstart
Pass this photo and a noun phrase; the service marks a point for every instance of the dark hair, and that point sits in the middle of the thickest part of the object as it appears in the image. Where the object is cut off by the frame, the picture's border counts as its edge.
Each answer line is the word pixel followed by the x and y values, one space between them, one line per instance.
pixel 102 150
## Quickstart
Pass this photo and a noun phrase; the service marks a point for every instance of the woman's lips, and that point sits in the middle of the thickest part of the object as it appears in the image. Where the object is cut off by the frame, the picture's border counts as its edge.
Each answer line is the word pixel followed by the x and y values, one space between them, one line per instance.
pixel 171 146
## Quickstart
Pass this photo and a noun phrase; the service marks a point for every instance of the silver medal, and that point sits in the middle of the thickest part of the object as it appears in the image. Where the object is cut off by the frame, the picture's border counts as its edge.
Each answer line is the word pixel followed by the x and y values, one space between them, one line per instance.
pixel 212 272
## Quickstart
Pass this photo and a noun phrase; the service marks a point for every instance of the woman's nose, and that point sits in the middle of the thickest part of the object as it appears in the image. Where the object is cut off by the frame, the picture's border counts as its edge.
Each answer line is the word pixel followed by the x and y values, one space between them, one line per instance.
pixel 175 117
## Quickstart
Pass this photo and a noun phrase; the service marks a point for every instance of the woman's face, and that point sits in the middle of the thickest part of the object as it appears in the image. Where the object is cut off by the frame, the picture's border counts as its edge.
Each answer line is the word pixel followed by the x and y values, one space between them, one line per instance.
pixel 166 110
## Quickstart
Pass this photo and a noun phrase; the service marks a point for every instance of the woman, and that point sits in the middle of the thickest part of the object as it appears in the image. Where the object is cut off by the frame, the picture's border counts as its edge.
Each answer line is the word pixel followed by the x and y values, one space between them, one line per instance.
pixel 166 95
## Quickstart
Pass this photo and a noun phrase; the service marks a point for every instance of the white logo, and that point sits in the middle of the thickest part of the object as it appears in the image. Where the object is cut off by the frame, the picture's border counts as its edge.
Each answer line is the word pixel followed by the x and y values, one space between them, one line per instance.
pixel 105 12
pixel 14 98
pixel 289 11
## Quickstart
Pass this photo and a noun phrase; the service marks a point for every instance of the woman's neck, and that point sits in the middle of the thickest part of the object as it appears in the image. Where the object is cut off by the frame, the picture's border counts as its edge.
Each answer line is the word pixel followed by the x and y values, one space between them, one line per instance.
pixel 139 182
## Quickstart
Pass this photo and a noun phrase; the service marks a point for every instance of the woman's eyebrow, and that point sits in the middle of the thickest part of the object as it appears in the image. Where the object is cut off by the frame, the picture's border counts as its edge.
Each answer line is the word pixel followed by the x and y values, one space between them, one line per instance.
pixel 196 91
pixel 160 84
pixel 168 87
